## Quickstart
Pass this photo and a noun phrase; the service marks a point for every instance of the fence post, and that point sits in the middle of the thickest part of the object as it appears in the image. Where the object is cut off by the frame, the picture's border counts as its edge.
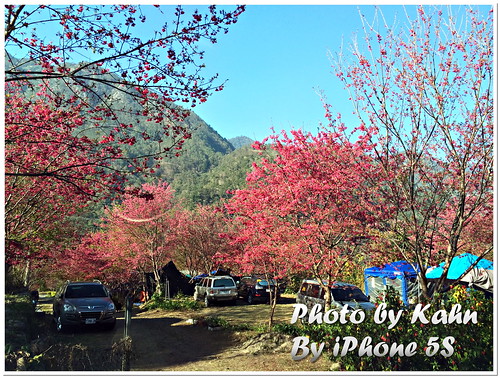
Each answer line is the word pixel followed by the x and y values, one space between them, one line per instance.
pixel 128 314
pixel 127 339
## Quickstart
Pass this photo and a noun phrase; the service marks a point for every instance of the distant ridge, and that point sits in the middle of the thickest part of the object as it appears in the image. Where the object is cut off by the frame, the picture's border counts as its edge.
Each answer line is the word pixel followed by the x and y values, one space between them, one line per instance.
pixel 240 141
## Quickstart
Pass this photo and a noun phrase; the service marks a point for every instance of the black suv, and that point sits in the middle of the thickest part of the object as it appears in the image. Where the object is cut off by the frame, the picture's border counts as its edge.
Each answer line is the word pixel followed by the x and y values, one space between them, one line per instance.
pixel 83 303
pixel 255 289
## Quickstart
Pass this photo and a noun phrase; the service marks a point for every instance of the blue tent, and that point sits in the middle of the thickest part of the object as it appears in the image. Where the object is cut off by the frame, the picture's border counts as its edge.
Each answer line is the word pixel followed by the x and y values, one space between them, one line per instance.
pixel 401 275
pixel 458 266
pixel 200 276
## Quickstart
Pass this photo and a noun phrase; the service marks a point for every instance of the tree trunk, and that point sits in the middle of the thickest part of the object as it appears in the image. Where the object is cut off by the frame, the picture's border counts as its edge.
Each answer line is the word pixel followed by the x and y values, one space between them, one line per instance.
pixel 328 298
pixel 26 275
pixel 422 281
pixel 273 296
pixel 157 282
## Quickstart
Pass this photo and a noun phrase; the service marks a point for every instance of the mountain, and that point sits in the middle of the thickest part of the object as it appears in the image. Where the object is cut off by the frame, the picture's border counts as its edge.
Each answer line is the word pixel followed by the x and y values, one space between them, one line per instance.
pixel 208 166
pixel 240 141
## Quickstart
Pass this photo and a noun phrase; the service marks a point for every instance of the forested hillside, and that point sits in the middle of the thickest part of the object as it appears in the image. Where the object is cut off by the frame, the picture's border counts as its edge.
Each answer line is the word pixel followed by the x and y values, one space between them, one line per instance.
pixel 206 167
pixel 201 172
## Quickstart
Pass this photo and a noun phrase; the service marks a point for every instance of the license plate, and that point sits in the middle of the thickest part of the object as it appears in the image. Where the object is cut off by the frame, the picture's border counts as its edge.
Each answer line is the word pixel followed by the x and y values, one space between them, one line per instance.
pixel 224 291
pixel 90 321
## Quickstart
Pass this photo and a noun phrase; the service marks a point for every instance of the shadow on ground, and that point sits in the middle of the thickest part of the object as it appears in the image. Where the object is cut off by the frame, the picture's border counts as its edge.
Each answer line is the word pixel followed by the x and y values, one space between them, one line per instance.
pixel 160 340
pixel 157 343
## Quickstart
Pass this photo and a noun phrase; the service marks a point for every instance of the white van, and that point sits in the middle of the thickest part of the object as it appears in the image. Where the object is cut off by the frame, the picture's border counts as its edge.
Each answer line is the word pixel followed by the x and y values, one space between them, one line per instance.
pixel 216 289
pixel 311 293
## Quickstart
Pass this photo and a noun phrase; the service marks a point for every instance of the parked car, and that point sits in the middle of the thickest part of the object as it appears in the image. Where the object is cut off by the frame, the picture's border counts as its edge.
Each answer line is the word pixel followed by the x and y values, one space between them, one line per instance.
pixel 342 293
pixel 255 289
pixel 216 289
pixel 83 303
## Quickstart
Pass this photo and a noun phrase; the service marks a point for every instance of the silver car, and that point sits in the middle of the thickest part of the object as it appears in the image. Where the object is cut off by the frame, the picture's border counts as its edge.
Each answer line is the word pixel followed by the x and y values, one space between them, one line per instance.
pixel 83 303
pixel 216 289
pixel 311 293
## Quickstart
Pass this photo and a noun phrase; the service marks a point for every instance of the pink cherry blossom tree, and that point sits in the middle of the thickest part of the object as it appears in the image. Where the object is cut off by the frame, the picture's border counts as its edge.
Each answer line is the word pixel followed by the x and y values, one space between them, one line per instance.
pixel 423 94
pixel 199 238
pixel 68 71
pixel 138 235
pixel 306 207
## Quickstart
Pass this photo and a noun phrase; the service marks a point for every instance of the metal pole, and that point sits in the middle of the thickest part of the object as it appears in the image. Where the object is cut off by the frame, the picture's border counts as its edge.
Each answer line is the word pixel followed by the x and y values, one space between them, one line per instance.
pixel 128 314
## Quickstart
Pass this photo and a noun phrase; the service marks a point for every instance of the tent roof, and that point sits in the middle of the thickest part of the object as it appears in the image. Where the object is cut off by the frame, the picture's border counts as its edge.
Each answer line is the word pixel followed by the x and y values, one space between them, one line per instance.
pixel 392 270
pixel 458 266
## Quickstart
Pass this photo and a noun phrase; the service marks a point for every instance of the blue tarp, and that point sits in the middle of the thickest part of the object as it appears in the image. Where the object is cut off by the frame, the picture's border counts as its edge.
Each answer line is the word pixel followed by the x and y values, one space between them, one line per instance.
pixel 393 270
pixel 458 266
pixel 401 275
pixel 200 276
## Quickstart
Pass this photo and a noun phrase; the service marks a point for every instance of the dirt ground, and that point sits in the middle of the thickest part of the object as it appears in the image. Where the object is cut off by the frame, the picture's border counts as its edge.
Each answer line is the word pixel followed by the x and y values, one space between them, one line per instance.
pixel 167 341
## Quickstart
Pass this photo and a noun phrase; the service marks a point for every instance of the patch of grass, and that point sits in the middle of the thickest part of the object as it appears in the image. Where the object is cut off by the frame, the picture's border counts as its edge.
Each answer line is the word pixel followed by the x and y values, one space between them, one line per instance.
pixel 240 327
pixel 287 329
pixel 217 321
pixel 178 303
pixel 19 322
pixel 18 303
pixel 220 321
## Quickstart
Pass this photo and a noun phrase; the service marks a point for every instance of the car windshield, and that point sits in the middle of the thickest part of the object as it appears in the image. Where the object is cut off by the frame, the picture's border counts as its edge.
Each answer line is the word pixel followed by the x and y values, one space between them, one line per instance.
pixel 85 291
pixel 223 282
pixel 265 283
pixel 347 293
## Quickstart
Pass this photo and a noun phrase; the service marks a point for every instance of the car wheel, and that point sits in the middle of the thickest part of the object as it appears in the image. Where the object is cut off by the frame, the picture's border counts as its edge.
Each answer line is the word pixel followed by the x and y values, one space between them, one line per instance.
pixel 250 298
pixel 207 301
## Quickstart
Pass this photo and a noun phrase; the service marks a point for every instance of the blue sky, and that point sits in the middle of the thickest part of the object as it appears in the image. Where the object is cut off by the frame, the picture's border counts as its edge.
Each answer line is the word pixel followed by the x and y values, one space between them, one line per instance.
pixel 275 60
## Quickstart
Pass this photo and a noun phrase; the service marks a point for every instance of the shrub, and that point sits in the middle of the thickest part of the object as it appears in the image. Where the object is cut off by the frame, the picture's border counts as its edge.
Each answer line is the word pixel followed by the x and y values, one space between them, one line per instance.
pixel 287 329
pixel 472 348
pixel 179 302
pixel 216 321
